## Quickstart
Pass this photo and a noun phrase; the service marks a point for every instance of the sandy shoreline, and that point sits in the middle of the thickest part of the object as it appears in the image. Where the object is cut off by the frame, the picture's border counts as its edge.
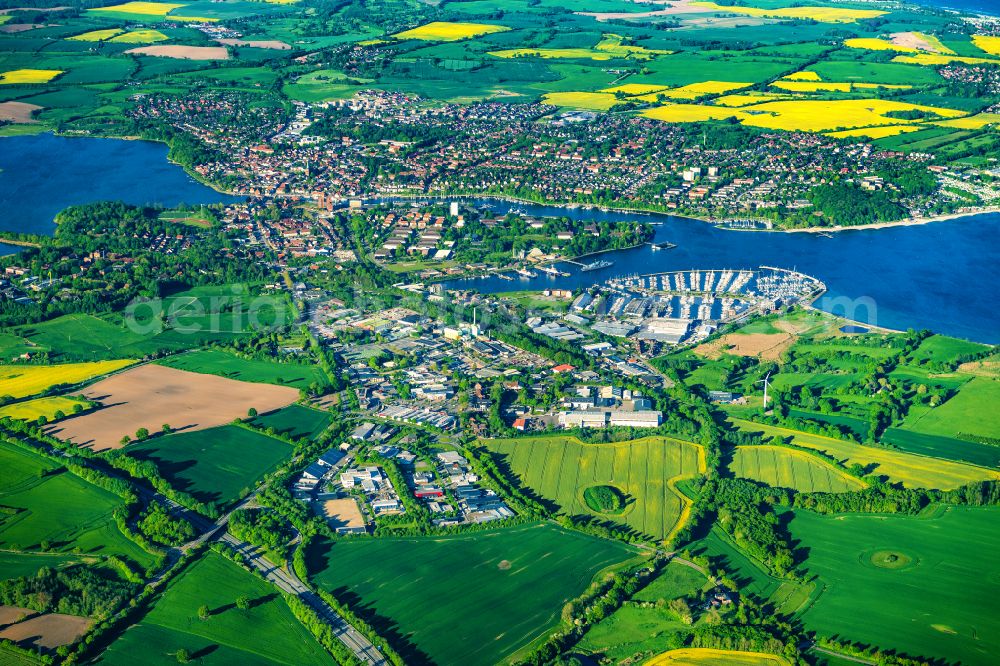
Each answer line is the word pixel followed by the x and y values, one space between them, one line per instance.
pixel 908 222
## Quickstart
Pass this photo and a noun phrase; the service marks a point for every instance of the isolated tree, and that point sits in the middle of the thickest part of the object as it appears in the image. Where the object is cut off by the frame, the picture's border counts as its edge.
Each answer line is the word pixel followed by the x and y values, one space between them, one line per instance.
pixel 77 408
pixel 183 656
pixel 124 441
pixel 42 420
pixel 243 602
pixel 59 415
pixel 204 613
pixel 167 429
pixel 141 433
pixel 251 412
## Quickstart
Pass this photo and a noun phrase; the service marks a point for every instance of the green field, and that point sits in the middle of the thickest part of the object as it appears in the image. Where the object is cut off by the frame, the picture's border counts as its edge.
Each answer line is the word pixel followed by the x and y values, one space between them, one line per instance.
pixel 88 337
pixel 15 565
pixel 949 448
pixel 222 363
pixel 559 469
pixel 469 599
pixel 973 411
pixel 938 598
pixel 296 421
pixel 222 639
pixel 941 348
pixel 788 468
pixel 214 465
pixel 59 508
pixel 910 470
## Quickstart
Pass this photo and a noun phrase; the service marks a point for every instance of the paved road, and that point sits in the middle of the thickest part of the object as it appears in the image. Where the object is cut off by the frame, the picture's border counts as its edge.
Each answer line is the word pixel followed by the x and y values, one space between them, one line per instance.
pixel 290 584
pixel 210 531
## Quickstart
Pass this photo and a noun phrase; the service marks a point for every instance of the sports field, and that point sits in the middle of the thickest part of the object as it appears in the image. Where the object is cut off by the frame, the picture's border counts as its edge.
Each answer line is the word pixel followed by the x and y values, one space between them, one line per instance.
pixel 58 508
pixel 228 365
pixel 222 639
pixel 150 396
pixel 788 468
pixel 559 469
pixel 213 465
pixel 21 381
pixel 910 470
pixel 918 584
pixel 465 599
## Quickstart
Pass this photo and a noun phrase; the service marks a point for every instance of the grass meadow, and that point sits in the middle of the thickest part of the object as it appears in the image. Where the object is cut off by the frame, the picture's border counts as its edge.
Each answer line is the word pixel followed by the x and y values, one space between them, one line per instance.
pixel 464 599
pixel 917 584
pixel 214 465
pixel 57 507
pixel 633 629
pixel 228 365
pixel 296 421
pixel 788 468
pixel 559 469
pixel 221 640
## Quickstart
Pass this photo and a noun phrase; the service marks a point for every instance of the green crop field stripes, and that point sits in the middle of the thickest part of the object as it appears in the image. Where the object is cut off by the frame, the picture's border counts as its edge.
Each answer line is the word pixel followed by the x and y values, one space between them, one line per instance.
pixel 559 469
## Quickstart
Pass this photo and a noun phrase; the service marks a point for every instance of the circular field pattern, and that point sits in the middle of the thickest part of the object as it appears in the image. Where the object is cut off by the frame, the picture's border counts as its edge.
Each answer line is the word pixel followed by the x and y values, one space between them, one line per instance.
pixel 605 499
pixel 890 559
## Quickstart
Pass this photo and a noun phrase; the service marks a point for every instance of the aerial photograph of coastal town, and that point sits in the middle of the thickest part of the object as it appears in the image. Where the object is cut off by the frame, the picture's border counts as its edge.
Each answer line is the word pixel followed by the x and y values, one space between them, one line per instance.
pixel 500 332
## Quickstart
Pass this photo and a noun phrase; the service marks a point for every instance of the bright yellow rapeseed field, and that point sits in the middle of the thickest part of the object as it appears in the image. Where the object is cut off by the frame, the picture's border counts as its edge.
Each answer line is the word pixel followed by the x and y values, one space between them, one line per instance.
pixel 935 59
pixel 29 75
pixel 714 657
pixel 978 121
pixel 593 101
pixel 694 90
pixel 47 407
pixel 141 8
pixel 911 470
pixel 820 14
pixel 141 37
pixel 987 43
pixel 828 115
pixel 803 76
pixel 96 35
pixel 21 381
pixel 877 44
pixel 691 113
pixel 444 31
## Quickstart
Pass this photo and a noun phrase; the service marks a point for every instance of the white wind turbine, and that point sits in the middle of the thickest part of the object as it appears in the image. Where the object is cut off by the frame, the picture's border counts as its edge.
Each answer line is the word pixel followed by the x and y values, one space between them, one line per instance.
pixel 766 383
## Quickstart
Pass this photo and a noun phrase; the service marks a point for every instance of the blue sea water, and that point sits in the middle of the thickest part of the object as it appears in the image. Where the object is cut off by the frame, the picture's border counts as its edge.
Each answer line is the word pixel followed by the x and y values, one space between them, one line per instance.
pixel 43 174
pixel 977 6
pixel 938 276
